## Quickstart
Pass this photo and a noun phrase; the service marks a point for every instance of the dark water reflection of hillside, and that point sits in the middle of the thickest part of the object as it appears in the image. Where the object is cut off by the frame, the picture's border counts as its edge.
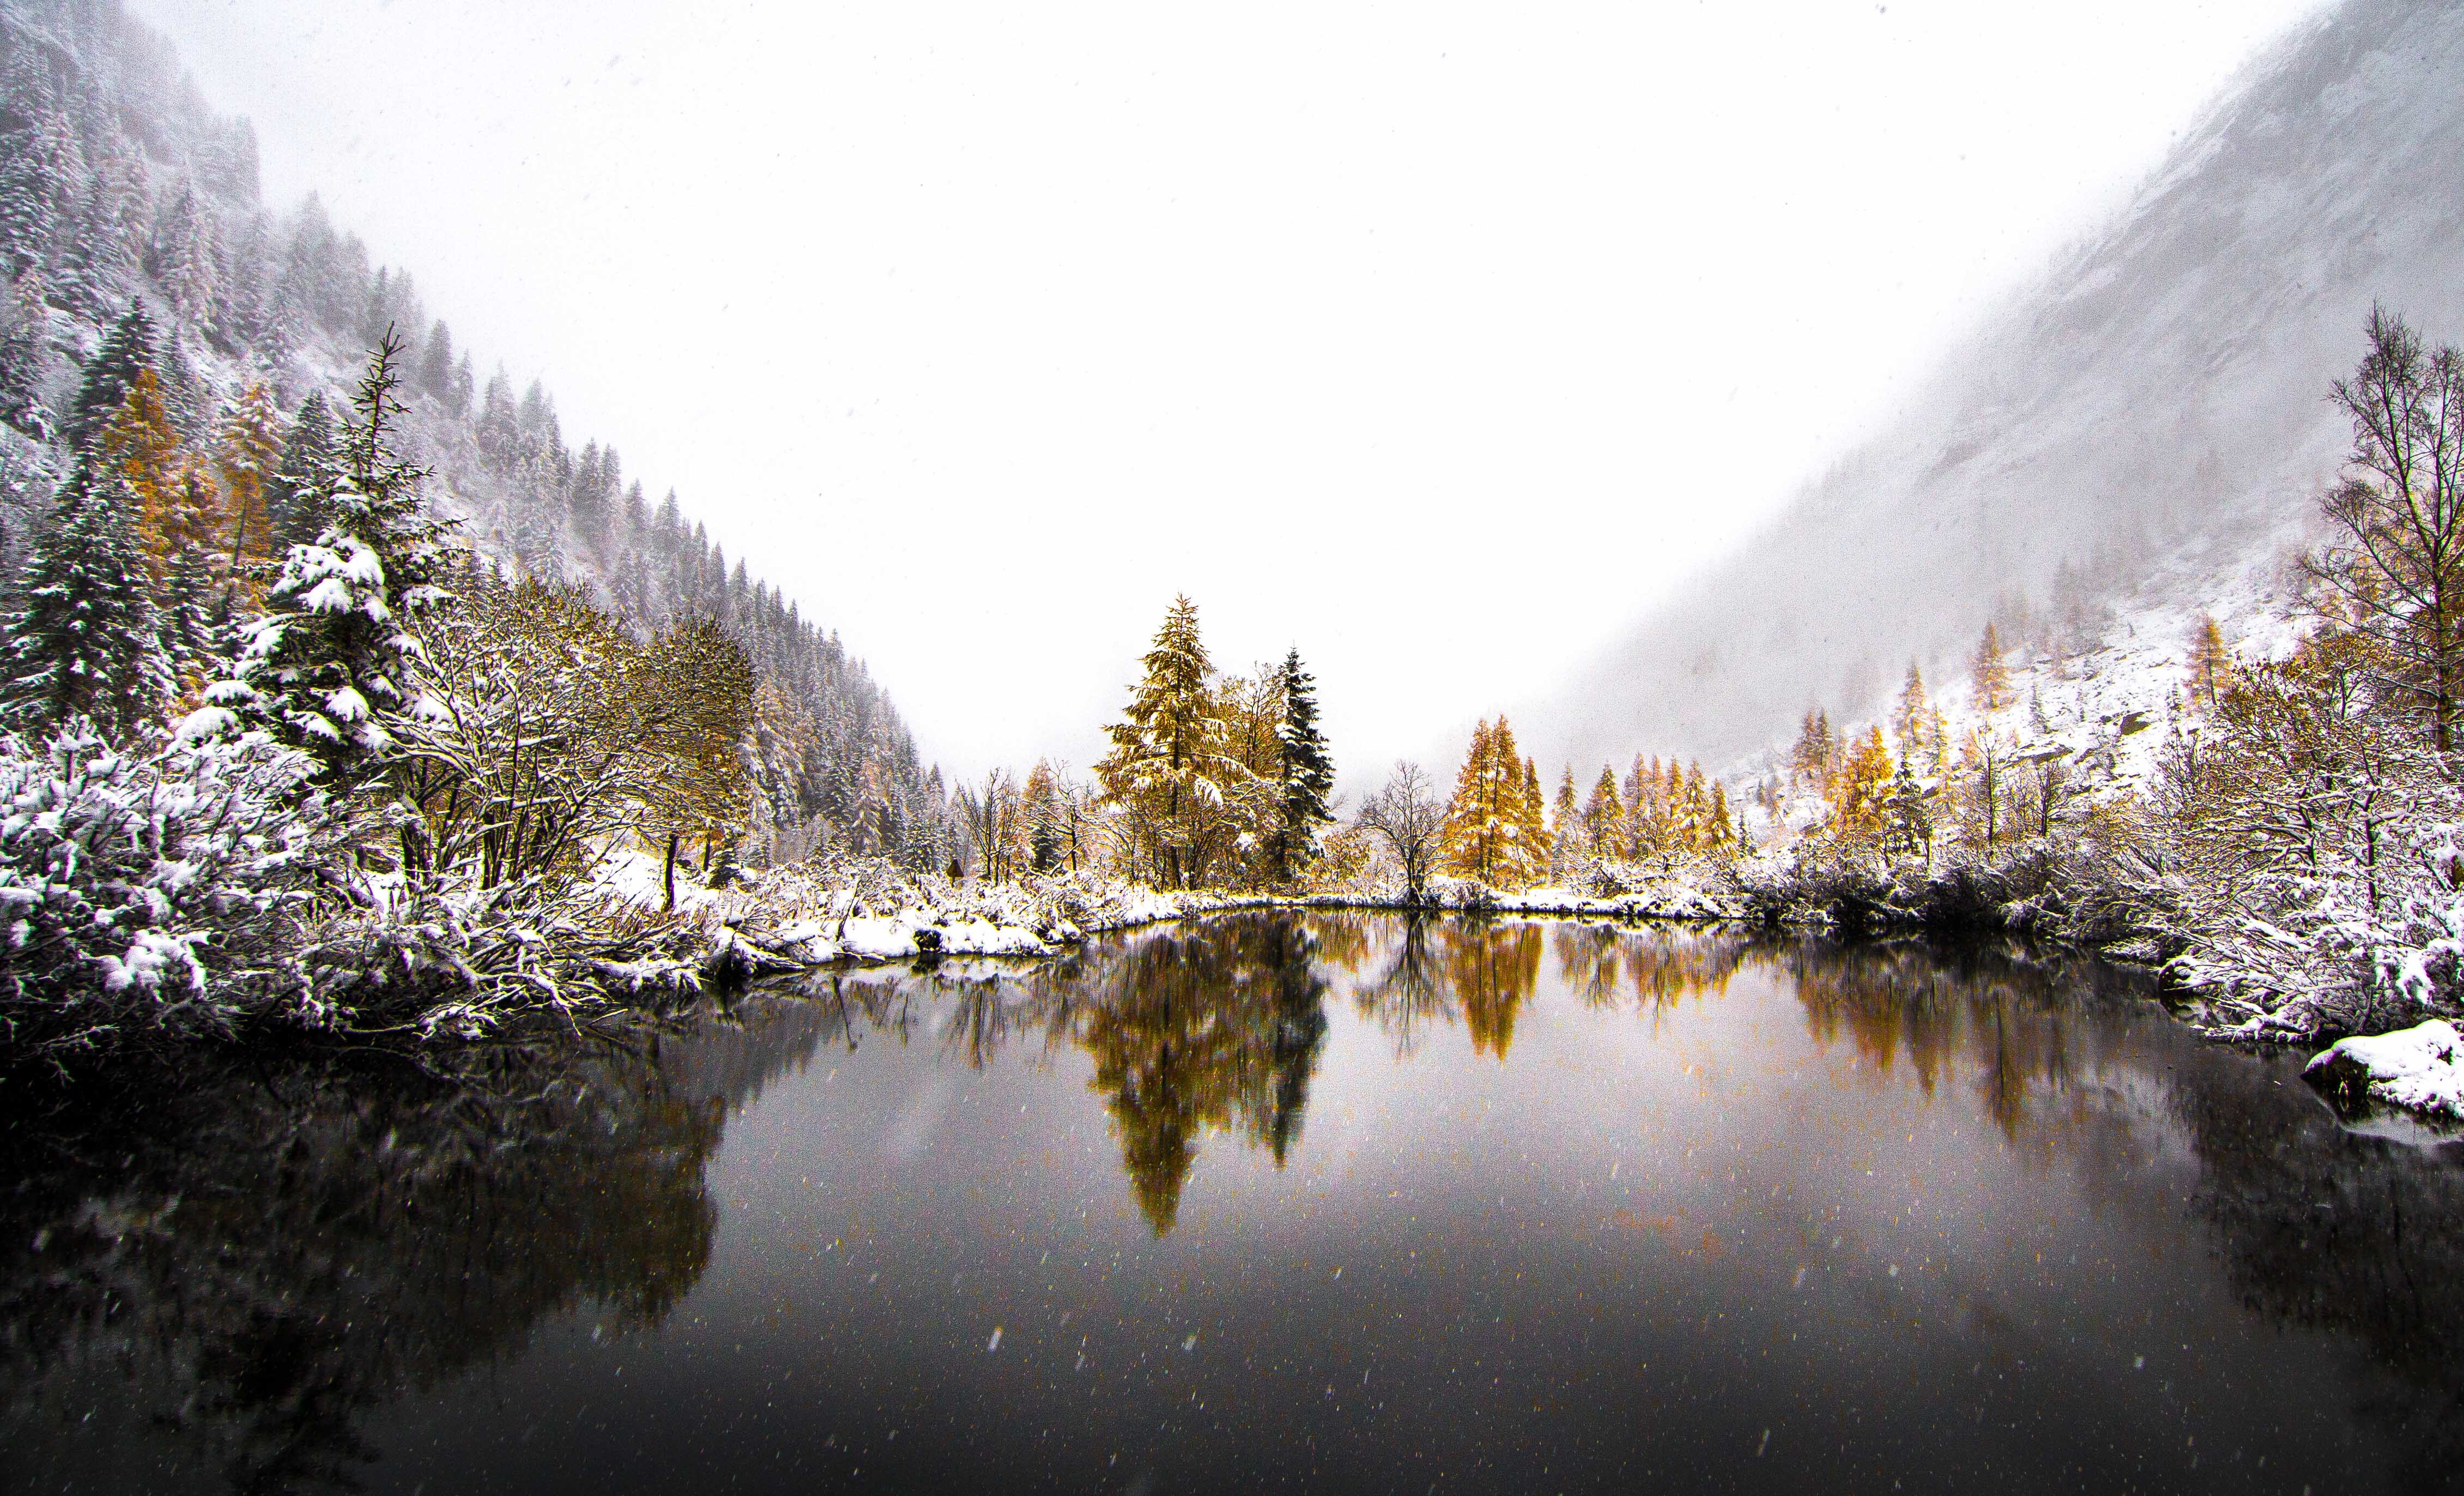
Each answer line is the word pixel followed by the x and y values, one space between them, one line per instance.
pixel 1321 1201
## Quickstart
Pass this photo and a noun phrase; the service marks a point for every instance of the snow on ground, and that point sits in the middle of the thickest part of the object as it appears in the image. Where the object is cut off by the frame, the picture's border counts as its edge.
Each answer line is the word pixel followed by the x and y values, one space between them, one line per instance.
pixel 867 910
pixel 1663 899
pixel 862 910
pixel 2419 1069
pixel 631 877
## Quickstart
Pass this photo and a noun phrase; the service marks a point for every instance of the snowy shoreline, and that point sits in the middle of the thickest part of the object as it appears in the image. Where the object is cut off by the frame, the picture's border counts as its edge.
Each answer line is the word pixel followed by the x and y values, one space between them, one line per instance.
pixel 768 929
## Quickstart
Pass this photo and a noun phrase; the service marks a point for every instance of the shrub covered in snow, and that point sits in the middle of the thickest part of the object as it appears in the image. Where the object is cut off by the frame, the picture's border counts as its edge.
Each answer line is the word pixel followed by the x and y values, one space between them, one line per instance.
pixel 150 894
pixel 461 961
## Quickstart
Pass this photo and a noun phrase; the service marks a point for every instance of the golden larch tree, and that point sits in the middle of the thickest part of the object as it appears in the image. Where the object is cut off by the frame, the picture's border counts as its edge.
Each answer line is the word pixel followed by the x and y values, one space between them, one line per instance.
pixel 1990 671
pixel 1860 791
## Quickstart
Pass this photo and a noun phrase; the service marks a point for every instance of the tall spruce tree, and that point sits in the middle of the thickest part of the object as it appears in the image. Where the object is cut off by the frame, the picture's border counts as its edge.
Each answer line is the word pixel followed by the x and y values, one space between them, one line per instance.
pixel 330 659
pixel 127 348
pixel 85 639
pixel 33 176
pixel 291 495
pixel 95 269
pixel 248 449
pixel 1307 774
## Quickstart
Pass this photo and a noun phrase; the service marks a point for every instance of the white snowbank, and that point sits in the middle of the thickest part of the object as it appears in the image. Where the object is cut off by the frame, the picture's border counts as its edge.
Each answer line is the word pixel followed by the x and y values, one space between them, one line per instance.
pixel 1669 899
pixel 865 910
pixel 2417 1069
pixel 849 908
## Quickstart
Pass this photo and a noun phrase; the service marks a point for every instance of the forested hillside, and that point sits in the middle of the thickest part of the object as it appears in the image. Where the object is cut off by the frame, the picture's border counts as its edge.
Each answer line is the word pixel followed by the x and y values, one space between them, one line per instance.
pixel 2145 420
pixel 134 237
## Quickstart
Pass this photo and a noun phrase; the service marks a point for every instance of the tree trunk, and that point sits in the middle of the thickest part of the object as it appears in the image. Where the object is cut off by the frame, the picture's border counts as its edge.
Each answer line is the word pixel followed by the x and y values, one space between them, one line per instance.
pixel 673 838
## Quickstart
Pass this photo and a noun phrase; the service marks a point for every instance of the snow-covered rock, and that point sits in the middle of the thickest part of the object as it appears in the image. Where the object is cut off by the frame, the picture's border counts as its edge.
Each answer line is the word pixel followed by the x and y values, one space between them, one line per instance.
pixel 2419 1069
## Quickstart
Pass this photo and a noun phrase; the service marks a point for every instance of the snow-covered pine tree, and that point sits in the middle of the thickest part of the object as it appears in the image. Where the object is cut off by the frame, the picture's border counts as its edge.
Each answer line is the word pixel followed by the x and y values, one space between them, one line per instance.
pixel 192 620
pixel 292 499
pixel 103 384
pixel 1809 760
pixel 436 362
pixel 1906 818
pixel 25 324
pixel 248 451
pixel 331 656
pixel 34 176
pixel 1566 837
pixel 1912 713
pixel 96 270
pixel 1307 774
pixel 85 642
pixel 185 260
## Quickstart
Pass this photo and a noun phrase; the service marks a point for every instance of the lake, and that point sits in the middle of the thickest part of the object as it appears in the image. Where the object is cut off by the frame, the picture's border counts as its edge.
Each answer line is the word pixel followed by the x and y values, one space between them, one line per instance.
pixel 1268 1201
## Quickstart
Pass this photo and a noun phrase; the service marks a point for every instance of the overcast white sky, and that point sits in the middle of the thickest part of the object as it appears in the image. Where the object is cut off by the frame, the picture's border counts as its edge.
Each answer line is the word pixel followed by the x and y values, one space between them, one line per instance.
pixel 1439 340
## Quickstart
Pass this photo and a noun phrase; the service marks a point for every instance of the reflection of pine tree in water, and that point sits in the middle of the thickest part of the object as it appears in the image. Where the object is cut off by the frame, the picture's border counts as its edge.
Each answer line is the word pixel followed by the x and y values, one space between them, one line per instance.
pixel 1298 1034
pixel 280 1258
pixel 1220 1027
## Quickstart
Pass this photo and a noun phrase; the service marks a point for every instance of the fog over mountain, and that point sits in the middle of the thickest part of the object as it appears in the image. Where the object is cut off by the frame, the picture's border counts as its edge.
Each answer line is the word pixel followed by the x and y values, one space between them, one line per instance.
pixel 2155 404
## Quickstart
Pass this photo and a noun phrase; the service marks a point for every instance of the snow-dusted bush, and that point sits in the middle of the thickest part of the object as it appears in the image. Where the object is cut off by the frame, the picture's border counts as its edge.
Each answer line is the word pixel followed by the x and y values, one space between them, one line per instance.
pixel 460 962
pixel 150 894
pixel 2310 824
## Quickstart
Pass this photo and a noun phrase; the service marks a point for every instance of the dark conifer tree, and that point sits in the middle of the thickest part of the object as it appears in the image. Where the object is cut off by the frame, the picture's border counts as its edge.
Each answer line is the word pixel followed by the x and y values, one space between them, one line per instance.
pixel 86 639
pixel 329 659
pixel 30 191
pixel 95 269
pixel 1307 773
pixel 291 491
pixel 126 348
pixel 22 326
pixel 436 361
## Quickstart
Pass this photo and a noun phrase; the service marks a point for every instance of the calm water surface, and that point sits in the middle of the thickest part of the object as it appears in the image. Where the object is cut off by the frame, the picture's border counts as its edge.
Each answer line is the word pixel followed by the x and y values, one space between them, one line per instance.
pixel 1273 1201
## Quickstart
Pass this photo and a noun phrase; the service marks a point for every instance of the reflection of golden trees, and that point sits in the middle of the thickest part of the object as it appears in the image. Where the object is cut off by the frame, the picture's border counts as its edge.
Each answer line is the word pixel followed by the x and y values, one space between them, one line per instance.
pixel 1342 940
pixel 2006 1012
pixel 1493 967
pixel 1219 1026
pixel 1481 970
pixel 1587 961
pixel 1663 965
pixel 1675 965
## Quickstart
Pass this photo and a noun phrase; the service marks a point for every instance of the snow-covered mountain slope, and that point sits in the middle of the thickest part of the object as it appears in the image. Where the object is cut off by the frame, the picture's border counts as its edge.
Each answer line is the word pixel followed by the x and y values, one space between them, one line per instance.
pixel 2152 414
